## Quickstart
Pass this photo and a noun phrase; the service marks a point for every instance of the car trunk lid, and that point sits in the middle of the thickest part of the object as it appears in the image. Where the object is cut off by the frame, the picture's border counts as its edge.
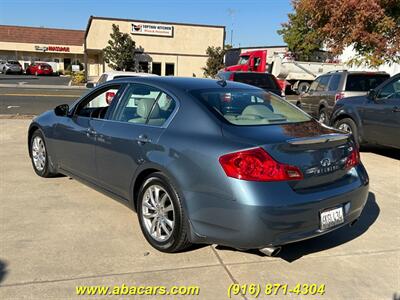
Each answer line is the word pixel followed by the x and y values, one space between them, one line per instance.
pixel 318 151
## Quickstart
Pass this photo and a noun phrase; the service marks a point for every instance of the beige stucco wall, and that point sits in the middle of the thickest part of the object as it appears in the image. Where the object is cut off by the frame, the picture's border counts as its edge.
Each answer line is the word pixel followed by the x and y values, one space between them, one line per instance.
pixel 31 48
pixel 186 49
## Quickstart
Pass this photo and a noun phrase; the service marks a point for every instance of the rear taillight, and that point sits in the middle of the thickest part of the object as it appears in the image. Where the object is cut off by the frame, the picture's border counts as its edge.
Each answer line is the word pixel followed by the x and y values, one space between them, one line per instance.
pixel 231 76
pixel 257 165
pixel 339 96
pixel 353 159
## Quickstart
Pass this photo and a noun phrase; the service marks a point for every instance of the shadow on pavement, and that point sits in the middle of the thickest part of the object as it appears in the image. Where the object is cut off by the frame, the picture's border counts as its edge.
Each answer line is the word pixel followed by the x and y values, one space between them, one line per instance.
pixel 3 270
pixel 292 252
pixel 380 150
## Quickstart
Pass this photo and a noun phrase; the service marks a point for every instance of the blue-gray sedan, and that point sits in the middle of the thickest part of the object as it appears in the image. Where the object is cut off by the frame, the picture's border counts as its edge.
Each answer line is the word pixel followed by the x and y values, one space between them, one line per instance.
pixel 205 161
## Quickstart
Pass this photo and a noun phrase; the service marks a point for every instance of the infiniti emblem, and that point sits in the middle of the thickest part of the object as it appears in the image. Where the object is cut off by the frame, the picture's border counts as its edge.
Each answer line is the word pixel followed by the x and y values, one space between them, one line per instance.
pixel 325 162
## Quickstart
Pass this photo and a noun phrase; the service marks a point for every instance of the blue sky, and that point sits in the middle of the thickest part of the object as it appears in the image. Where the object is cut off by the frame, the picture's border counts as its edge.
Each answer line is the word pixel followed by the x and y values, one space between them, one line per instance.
pixel 254 22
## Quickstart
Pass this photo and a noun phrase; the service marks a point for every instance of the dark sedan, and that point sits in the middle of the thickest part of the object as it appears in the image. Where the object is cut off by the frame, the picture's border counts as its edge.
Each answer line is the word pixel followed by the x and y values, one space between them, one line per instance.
pixel 205 161
pixel 374 118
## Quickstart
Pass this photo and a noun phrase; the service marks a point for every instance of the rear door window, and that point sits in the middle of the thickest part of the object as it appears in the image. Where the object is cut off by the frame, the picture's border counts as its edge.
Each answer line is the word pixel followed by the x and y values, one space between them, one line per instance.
pixel 323 83
pixel 264 81
pixel 145 105
pixel 334 82
pixel 364 82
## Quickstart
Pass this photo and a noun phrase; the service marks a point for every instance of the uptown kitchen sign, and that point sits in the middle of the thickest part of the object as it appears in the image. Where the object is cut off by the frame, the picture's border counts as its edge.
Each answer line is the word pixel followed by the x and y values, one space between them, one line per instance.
pixel 152 29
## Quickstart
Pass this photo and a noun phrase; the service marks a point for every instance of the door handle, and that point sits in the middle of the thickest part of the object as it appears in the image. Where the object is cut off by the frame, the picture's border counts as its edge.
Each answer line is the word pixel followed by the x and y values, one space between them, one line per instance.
pixel 143 139
pixel 396 109
pixel 90 132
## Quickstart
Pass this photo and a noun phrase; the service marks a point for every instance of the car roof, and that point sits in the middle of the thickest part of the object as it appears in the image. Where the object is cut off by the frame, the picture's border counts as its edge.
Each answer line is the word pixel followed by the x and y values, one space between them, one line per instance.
pixel 356 72
pixel 186 83
pixel 246 72
pixel 122 73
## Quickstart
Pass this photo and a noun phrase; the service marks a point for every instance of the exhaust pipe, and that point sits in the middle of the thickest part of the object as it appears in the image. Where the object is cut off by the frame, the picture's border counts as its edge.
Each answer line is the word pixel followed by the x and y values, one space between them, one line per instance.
pixel 270 251
pixel 353 223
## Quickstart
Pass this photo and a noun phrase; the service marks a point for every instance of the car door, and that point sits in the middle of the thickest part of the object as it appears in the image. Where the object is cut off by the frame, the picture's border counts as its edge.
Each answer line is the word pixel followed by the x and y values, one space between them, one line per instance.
pixel 381 116
pixel 307 98
pixel 131 135
pixel 76 136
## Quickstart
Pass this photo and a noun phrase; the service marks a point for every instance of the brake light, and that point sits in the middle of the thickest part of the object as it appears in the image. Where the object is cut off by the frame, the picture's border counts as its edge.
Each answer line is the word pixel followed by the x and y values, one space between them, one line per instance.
pixel 109 97
pixel 339 96
pixel 231 76
pixel 353 159
pixel 257 165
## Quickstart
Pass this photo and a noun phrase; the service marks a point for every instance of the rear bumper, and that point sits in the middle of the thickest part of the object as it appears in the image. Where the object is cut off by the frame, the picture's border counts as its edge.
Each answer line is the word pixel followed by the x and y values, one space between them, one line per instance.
pixel 275 215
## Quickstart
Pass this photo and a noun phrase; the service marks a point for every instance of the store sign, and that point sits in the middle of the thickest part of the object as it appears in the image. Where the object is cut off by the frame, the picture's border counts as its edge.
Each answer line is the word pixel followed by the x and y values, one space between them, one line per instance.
pixel 152 29
pixel 52 48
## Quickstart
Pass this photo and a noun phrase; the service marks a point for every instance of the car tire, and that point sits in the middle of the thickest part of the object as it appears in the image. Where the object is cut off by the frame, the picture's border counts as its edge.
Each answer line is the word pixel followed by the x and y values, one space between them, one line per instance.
pixel 303 87
pixel 323 116
pixel 349 126
pixel 161 215
pixel 39 155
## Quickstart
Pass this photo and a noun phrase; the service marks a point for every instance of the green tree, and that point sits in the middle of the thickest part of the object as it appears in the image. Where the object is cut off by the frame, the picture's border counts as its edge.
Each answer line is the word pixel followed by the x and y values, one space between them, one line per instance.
pixel 371 27
pixel 215 61
pixel 121 50
pixel 298 35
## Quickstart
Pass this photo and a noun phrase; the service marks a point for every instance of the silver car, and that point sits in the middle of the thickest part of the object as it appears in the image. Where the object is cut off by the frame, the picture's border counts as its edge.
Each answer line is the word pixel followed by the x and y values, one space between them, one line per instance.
pixel 326 89
pixel 10 66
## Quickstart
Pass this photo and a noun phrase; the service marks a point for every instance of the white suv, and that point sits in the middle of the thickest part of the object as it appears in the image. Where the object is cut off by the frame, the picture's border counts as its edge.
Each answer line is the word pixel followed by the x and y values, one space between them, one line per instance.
pixel 107 76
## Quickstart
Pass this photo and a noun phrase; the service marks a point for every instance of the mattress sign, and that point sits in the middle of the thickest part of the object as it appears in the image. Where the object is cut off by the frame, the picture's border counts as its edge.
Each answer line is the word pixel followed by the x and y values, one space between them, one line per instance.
pixel 152 29
pixel 52 48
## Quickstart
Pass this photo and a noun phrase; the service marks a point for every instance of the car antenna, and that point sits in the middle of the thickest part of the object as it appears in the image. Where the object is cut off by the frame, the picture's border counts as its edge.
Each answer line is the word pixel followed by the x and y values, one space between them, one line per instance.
pixel 222 82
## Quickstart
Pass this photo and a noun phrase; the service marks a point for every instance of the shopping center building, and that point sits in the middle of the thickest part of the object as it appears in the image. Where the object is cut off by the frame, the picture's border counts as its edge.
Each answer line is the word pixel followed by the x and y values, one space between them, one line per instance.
pixel 168 48
pixel 63 47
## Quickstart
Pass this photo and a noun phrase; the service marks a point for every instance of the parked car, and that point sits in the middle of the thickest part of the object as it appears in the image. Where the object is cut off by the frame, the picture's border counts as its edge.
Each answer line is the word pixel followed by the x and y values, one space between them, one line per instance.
pixel 10 66
pixel 206 161
pixel 320 99
pixel 373 118
pixel 39 68
pixel 265 81
pixel 107 76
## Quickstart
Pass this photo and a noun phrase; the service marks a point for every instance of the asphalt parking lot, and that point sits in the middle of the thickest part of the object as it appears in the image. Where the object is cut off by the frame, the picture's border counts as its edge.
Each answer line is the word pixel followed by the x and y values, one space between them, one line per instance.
pixel 58 233
pixel 33 80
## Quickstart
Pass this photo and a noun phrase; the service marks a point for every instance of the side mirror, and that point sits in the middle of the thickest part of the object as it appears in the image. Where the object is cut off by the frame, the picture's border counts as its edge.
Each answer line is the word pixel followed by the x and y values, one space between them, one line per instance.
pixel 90 85
pixel 62 110
pixel 372 94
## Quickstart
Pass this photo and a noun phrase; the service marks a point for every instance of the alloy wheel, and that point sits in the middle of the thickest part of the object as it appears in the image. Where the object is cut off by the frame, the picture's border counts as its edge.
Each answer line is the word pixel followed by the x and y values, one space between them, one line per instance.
pixel 38 153
pixel 158 213
pixel 322 117
pixel 345 127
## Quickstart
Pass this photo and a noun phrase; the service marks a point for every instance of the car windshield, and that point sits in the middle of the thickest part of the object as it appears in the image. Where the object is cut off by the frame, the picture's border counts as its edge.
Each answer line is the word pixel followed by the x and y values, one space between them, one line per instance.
pixel 13 62
pixel 264 81
pixel 243 60
pixel 245 107
pixel 364 82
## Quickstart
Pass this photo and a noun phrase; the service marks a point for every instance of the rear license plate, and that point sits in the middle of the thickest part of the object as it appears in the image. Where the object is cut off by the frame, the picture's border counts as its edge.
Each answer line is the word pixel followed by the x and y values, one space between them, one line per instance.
pixel 331 217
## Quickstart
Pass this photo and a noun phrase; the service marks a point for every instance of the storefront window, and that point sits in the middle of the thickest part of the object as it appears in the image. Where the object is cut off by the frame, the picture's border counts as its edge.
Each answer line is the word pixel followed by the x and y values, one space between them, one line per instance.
pixel 169 69
pixel 156 68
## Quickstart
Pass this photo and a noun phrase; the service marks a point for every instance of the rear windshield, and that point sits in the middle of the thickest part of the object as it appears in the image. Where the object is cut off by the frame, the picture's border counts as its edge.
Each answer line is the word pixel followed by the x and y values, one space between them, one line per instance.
pixel 13 62
pixel 263 81
pixel 249 107
pixel 364 82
